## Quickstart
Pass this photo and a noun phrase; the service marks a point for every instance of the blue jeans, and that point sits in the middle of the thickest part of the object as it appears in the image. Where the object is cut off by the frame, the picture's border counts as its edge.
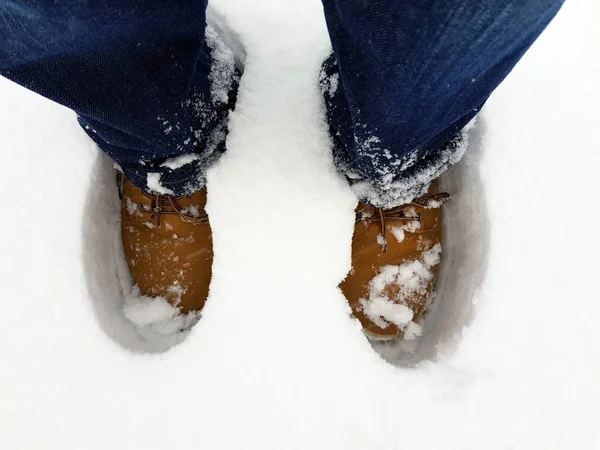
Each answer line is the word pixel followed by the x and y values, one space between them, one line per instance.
pixel 152 85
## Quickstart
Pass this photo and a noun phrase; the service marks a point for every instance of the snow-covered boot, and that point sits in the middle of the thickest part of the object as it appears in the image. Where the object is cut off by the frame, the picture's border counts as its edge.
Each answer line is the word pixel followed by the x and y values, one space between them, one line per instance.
pixel 395 256
pixel 168 244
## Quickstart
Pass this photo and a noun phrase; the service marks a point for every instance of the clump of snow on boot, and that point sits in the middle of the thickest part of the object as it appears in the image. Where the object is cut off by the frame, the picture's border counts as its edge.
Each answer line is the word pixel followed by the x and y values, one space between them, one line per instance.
pixel 412 277
pixel 410 227
pixel 155 317
pixel 191 211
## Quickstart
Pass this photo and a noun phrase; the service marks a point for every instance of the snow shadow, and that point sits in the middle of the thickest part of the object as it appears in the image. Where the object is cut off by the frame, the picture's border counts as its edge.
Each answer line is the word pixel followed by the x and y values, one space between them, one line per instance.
pixel 466 228
pixel 107 275
pixel 109 282
pixel 99 228
pixel 466 242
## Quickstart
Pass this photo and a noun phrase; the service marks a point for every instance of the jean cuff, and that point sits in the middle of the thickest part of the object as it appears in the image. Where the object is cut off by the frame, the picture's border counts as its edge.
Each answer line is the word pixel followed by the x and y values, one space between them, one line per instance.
pixel 180 175
pixel 399 189
pixel 177 166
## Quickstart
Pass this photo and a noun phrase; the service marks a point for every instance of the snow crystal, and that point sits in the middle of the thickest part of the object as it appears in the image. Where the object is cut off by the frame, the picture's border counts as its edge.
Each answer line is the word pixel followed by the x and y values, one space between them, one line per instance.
pixel 398 233
pixel 381 307
pixel 191 211
pixel 222 71
pixel 155 317
pixel 381 240
pixel 423 243
pixel 411 227
pixel 411 212
pixel 432 257
pixel 180 161
pixel 154 184
pixel 367 145
pixel 329 84
pixel 412 331
pixel 389 190
pixel 176 291
pixel 434 204
pixel 132 207
pixel 412 277
pixel 143 311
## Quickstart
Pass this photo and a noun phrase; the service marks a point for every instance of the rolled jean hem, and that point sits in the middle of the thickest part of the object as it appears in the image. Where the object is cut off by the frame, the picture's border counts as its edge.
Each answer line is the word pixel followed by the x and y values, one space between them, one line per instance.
pixel 411 182
pixel 197 131
pixel 181 175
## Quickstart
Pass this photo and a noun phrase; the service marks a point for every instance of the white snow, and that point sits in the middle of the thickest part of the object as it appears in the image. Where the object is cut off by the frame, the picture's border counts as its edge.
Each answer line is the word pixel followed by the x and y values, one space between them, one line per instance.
pixel 382 240
pixel 412 331
pixel 222 70
pixel 156 321
pixel 143 311
pixel 132 207
pixel 329 84
pixel 154 184
pixel 391 193
pixel 382 311
pixel 179 161
pixel 414 276
pixel 191 211
pixel 410 227
pixel 509 355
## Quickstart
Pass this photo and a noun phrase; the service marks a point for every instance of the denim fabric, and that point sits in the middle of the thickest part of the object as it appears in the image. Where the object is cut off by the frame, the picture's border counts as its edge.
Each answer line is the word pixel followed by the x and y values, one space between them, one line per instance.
pixel 406 76
pixel 143 77
pixel 136 72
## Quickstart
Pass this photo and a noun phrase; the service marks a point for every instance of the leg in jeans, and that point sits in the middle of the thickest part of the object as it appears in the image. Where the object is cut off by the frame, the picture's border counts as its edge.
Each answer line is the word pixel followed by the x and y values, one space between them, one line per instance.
pixel 146 83
pixel 406 76
pixel 152 86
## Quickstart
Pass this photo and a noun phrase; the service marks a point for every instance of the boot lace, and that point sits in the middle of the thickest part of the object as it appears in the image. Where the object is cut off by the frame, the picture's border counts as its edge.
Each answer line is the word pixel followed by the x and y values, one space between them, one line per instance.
pixel 400 213
pixel 165 204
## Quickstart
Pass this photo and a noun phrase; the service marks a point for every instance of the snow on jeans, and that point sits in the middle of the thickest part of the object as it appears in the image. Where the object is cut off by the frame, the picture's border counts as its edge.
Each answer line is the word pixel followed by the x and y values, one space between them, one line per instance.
pixel 152 85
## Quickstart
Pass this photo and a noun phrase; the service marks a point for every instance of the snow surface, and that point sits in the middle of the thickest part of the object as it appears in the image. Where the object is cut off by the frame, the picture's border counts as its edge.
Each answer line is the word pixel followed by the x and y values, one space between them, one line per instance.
pixel 509 357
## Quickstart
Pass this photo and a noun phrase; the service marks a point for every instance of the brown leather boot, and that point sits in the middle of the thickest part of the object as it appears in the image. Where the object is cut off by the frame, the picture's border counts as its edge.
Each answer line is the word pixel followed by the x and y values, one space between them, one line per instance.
pixel 395 256
pixel 168 245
